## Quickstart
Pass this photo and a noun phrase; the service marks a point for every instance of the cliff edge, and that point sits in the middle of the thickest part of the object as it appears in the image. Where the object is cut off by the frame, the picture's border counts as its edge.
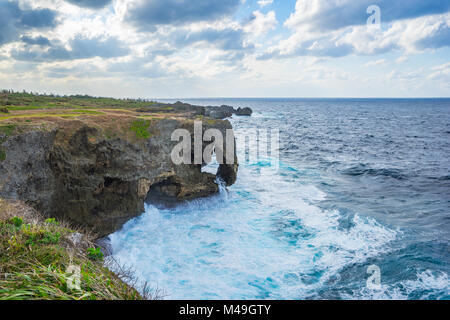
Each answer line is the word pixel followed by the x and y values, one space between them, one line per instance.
pixel 96 166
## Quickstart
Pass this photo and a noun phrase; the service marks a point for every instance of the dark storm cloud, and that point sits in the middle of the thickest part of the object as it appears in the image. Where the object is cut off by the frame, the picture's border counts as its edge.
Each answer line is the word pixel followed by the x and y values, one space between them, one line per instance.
pixel 147 14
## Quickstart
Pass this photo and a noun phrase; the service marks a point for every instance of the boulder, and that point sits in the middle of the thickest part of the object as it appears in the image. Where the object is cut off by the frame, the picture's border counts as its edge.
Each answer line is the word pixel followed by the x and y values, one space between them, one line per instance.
pixel 244 111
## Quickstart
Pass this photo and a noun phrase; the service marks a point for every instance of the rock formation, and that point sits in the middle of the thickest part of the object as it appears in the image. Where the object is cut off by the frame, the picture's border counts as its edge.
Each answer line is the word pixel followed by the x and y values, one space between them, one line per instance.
pixel 224 112
pixel 244 111
pixel 91 173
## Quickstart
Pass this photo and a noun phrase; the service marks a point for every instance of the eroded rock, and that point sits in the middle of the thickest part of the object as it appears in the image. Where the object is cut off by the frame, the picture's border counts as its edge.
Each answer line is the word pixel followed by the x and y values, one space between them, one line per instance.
pixel 225 111
pixel 75 171
pixel 244 111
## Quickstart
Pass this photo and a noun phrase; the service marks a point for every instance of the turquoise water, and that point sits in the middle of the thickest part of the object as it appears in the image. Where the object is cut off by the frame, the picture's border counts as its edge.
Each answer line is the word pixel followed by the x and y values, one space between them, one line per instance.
pixel 358 183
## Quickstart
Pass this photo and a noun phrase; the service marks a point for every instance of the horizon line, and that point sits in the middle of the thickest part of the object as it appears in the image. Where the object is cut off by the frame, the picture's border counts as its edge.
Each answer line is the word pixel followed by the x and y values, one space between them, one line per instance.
pixel 212 97
pixel 165 98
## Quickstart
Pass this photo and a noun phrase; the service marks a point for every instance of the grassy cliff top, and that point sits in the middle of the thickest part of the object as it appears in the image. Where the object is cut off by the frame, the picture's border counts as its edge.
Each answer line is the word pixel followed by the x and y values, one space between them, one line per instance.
pixel 26 106
pixel 27 101
pixel 131 118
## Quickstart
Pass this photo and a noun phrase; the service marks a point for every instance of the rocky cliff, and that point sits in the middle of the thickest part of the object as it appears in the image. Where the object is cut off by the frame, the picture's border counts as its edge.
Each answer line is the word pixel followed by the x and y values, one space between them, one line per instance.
pixel 97 168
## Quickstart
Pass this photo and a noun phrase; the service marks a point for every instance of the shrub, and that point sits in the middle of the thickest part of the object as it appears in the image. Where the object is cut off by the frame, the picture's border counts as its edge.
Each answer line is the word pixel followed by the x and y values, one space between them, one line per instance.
pixel 50 237
pixel 17 221
pixel 95 254
pixel 7 130
pixel 140 128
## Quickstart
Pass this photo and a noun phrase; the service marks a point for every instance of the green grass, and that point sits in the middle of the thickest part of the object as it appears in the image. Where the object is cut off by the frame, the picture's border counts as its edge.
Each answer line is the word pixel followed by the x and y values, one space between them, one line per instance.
pixel 94 254
pixel 35 257
pixel 7 130
pixel 72 108
pixel 76 113
pixel 140 128
pixel 29 101
pixel 84 111
pixel 26 108
pixel 16 221
pixel 52 221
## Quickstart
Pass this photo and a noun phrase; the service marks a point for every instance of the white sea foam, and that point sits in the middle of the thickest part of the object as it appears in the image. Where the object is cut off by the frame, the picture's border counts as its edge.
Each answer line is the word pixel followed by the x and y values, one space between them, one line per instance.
pixel 266 238
pixel 427 285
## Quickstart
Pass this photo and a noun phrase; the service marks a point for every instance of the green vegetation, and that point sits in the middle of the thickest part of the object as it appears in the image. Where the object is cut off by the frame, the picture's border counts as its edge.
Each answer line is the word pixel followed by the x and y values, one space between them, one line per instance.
pixel 95 254
pixel 207 119
pixel 17 221
pixel 29 101
pixel 7 130
pixel 52 221
pixel 87 111
pixel 140 128
pixel 27 108
pixel 45 115
pixel 23 107
pixel 36 257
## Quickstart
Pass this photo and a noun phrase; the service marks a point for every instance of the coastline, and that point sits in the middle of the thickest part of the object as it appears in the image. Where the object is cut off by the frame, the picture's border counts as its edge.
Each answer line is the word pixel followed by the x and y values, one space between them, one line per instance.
pixel 92 163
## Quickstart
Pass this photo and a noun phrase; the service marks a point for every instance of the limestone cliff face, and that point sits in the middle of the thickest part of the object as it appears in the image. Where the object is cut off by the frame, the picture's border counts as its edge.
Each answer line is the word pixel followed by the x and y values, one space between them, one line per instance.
pixel 78 172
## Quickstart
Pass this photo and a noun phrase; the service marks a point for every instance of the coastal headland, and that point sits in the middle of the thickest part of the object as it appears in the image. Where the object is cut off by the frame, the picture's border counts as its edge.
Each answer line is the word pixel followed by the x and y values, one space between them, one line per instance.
pixel 95 161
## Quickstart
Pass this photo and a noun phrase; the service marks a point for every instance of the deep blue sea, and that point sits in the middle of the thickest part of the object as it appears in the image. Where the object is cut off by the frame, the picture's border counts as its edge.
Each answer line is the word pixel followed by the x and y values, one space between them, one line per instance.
pixel 358 182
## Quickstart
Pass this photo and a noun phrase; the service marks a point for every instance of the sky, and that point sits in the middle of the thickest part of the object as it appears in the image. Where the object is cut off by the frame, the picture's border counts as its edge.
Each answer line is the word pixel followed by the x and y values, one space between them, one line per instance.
pixel 226 48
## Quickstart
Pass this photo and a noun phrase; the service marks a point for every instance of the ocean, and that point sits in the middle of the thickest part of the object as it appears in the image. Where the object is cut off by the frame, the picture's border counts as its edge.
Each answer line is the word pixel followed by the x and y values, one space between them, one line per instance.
pixel 359 184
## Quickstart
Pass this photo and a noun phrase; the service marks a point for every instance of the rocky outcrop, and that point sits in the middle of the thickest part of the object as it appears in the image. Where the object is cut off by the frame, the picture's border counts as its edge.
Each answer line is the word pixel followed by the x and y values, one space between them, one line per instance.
pixel 79 172
pixel 244 111
pixel 225 111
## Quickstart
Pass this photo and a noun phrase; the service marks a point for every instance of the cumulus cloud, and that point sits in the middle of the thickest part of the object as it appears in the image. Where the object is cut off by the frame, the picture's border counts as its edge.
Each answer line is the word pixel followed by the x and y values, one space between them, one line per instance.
pixel 80 48
pixel 375 63
pixel 438 36
pixel 224 39
pixel 336 14
pixel 15 21
pixel 413 35
pixel 441 72
pixel 300 45
pixel 93 4
pixel 182 41
pixel 263 3
pixel 260 23
pixel 407 35
pixel 39 40
pixel 138 67
pixel 147 14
